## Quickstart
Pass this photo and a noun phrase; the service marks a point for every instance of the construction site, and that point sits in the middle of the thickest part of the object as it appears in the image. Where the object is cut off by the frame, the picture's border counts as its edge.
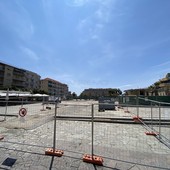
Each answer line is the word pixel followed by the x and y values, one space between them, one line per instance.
pixel 77 134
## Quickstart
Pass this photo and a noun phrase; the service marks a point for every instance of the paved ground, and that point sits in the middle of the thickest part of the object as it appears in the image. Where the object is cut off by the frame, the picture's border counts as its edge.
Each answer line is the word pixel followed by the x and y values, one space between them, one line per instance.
pixel 122 146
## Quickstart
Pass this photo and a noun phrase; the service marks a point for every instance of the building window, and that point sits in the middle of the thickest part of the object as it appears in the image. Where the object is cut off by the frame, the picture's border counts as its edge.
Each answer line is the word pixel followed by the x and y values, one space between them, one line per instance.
pixel 8 74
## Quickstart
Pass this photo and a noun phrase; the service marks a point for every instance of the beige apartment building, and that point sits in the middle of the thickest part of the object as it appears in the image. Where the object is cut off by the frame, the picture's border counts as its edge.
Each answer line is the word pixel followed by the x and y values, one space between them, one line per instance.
pixel 159 88
pixel 54 88
pixel 13 77
pixel 164 86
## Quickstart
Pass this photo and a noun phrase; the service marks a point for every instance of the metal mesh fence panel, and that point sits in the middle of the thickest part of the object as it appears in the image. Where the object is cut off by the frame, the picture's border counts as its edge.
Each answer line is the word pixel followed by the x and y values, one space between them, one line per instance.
pixel 73 110
pixel 165 123
pixel 127 141
pixel 28 130
pixel 31 117
pixel 157 120
pixel 114 135
pixel 73 130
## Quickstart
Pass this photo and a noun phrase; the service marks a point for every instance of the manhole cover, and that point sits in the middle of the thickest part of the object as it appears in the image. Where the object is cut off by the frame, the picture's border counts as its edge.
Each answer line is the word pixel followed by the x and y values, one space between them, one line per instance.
pixel 9 162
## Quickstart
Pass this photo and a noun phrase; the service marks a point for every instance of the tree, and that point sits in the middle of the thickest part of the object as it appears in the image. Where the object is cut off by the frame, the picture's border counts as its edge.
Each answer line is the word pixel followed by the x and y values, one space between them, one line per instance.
pixel 74 95
pixel 115 92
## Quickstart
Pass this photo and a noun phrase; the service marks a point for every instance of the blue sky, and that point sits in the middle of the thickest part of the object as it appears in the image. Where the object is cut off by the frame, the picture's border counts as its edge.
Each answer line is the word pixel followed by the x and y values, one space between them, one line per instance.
pixel 88 43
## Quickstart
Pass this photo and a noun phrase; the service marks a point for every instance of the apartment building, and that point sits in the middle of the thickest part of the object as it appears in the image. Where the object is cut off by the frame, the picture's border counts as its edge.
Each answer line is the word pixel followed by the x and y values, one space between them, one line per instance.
pixel 99 92
pixel 17 78
pixel 54 88
pixel 159 88
pixel 33 80
pixel 164 86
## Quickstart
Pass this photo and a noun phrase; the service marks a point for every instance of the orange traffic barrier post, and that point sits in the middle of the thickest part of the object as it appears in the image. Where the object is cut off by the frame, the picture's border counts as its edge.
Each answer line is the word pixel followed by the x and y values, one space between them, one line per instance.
pixel 136 118
pixel 1 137
pixel 152 133
pixel 55 152
pixel 97 160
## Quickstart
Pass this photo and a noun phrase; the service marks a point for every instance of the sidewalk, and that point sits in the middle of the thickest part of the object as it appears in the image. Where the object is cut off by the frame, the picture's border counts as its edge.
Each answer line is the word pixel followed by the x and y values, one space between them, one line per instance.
pixel 26 148
pixel 122 146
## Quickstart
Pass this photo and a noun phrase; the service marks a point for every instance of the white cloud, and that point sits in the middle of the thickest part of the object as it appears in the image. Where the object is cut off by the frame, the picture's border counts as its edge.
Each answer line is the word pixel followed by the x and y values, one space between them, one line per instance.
pixel 94 37
pixel 92 26
pixel 104 11
pixel 48 7
pixel 140 48
pixel 162 72
pixel 74 85
pixel 105 55
pixel 76 3
pixel 17 19
pixel 29 53
pixel 82 24
pixel 108 51
pixel 103 15
pixel 163 64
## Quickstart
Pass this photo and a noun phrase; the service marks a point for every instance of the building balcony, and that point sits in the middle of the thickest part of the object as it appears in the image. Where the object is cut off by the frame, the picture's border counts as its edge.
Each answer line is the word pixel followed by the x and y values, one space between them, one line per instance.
pixel 19 74
pixel 21 79
pixel 164 85
pixel 18 84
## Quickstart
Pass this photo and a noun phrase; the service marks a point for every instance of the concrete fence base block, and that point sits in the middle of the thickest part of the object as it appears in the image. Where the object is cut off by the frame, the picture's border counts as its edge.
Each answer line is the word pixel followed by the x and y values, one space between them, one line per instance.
pixel 97 160
pixel 55 152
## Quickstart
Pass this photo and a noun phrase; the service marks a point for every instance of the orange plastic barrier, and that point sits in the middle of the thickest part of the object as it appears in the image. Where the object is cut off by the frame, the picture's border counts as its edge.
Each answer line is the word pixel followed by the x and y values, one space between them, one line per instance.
pixel 51 152
pixel 97 160
pixel 136 118
pixel 152 133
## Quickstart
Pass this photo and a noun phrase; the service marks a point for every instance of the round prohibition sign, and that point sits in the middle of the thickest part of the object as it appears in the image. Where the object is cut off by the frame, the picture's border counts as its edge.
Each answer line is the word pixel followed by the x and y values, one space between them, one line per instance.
pixel 22 112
